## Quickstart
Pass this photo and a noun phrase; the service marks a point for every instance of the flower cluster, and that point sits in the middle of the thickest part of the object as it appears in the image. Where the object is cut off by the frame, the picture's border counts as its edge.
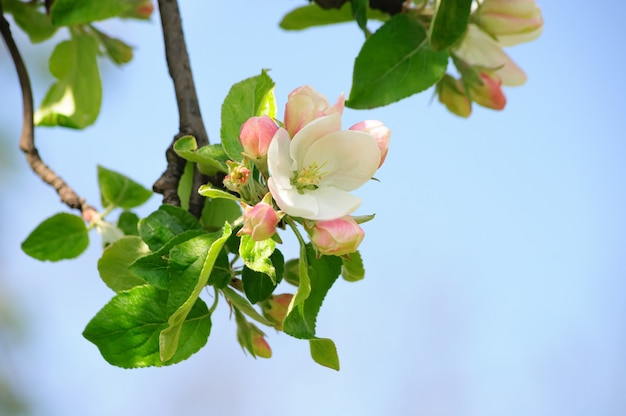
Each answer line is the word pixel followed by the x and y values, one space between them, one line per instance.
pixel 306 170
pixel 480 60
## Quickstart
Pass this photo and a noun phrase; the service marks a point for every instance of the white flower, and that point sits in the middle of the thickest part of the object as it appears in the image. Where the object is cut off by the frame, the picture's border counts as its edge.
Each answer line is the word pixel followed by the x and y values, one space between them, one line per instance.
pixel 311 175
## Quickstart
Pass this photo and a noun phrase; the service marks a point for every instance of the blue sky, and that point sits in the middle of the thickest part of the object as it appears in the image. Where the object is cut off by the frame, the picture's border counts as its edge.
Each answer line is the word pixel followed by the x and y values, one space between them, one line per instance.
pixel 495 266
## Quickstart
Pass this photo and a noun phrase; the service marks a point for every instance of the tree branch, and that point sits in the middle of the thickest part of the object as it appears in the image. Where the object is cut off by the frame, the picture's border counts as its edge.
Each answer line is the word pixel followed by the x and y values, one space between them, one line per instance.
pixel 27 139
pixel 188 108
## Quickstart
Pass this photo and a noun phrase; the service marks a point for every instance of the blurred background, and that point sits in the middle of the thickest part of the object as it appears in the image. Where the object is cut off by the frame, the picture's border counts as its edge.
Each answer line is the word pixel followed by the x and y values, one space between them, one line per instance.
pixel 496 265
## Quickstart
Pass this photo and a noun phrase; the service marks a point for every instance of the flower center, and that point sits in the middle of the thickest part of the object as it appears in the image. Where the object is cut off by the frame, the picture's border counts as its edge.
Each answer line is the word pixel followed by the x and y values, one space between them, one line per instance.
pixel 308 178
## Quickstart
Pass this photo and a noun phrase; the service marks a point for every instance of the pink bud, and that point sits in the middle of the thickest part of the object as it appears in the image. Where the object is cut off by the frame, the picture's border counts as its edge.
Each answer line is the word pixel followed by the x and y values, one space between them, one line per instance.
pixel 237 177
pixel 304 105
pixel 487 91
pixel 259 221
pixel 336 237
pixel 452 94
pixel 259 344
pixel 275 308
pixel 256 135
pixel 377 130
pixel 140 9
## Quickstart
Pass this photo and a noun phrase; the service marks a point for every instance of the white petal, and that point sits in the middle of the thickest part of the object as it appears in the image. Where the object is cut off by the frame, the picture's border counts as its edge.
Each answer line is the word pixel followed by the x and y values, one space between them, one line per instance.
pixel 348 159
pixel 278 159
pixel 512 40
pixel 310 133
pixel 291 202
pixel 333 203
pixel 478 48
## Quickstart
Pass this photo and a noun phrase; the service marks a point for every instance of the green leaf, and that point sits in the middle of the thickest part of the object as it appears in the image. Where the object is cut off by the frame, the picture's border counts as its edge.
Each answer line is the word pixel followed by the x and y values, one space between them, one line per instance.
pixel 153 268
pixel 210 192
pixel 244 306
pixel 321 273
pixel 258 286
pixel 185 185
pixel 222 273
pixel 189 270
pixel 256 255
pixel 244 332
pixel 248 98
pixel 164 224
pixel 74 12
pixel 62 236
pixel 217 211
pixel 312 15
pixel 126 330
pixel 210 159
pixel 30 19
pixel 352 268
pixel 324 352
pixel 119 190
pixel 118 51
pixel 394 63
pixel 114 265
pixel 127 222
pixel 74 100
pixel 450 23
pixel 359 12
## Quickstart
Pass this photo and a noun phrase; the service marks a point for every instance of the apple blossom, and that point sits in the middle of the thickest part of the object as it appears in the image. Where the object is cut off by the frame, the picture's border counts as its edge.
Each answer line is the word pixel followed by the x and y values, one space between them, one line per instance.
pixel 336 237
pixel 304 105
pixel 480 50
pixel 451 93
pixel 259 221
pixel 509 17
pixel 379 131
pixel 311 175
pixel 237 177
pixel 256 135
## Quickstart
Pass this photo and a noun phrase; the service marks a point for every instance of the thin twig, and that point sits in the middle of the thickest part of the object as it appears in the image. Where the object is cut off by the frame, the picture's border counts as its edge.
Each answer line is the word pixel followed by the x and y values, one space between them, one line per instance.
pixel 27 139
pixel 188 108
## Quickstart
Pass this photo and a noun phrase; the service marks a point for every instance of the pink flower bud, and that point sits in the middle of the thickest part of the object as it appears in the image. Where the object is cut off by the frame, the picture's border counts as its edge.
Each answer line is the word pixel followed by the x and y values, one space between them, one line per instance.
pixel 377 130
pixel 336 237
pixel 487 91
pixel 304 105
pixel 259 344
pixel 509 17
pixel 140 9
pixel 259 221
pixel 275 308
pixel 256 135
pixel 452 94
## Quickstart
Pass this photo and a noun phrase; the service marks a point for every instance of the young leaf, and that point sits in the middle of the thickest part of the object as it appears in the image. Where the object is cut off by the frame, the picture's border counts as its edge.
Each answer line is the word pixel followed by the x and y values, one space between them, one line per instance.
pixel 126 330
pixel 74 100
pixel 394 63
pixel 352 268
pixel 73 12
pixel 258 286
pixel 256 255
pixel 359 11
pixel 321 274
pixel 210 159
pixel 127 222
pixel 292 273
pixel 114 265
pixel 248 98
pixel 164 224
pixel 450 23
pixel 185 185
pixel 210 192
pixel 30 19
pixel 313 15
pixel 324 352
pixel 187 282
pixel 62 236
pixel 119 190
pixel 119 51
